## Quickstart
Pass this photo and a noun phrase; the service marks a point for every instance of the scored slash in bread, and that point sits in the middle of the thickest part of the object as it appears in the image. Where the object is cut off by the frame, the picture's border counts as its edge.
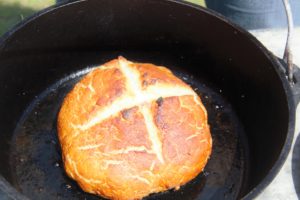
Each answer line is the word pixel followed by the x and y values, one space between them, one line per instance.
pixel 131 129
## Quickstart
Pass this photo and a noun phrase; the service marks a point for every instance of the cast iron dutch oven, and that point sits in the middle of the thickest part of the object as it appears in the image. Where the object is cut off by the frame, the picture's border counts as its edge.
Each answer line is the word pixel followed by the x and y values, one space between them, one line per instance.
pixel 251 104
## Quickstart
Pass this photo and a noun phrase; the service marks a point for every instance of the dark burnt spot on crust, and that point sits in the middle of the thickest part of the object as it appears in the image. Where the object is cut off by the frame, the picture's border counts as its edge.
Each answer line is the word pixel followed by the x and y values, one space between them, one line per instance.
pixel 158 116
pixel 153 81
pixel 114 93
pixel 149 82
pixel 145 75
pixel 145 83
pixel 127 113
pixel 159 101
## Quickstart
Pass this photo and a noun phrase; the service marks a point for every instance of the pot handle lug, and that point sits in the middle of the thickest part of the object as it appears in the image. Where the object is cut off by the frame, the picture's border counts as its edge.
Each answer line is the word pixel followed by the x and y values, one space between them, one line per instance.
pixel 296 84
pixel 292 71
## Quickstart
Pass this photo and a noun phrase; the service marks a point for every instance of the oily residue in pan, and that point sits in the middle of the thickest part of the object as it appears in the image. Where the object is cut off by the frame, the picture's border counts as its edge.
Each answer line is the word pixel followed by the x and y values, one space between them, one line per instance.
pixel 37 167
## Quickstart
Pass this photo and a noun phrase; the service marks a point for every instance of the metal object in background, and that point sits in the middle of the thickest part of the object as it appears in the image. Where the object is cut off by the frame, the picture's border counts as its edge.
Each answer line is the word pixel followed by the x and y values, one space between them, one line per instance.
pixel 288 54
pixel 255 14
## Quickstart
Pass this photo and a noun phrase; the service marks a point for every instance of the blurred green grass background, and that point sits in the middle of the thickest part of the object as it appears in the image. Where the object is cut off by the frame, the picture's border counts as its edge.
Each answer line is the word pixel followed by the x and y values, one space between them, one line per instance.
pixel 14 11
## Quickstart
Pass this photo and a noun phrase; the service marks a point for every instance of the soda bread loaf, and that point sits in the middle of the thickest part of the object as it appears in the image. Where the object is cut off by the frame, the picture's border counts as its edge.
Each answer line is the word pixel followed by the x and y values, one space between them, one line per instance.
pixel 131 129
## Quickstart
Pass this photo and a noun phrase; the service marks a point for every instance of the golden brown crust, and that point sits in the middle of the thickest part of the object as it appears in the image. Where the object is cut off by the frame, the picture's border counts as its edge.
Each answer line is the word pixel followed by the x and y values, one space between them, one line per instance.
pixel 130 129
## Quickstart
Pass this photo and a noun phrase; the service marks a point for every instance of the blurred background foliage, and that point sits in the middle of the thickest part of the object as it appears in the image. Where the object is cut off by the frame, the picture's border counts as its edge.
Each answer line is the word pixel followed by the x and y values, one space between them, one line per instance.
pixel 14 11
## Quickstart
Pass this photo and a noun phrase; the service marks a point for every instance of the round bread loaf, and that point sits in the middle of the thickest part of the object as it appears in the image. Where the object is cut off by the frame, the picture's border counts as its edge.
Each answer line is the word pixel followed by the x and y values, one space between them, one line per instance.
pixel 131 129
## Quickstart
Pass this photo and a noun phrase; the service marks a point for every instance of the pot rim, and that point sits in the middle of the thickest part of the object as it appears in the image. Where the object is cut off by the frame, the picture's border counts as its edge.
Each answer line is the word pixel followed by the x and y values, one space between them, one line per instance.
pixel 11 192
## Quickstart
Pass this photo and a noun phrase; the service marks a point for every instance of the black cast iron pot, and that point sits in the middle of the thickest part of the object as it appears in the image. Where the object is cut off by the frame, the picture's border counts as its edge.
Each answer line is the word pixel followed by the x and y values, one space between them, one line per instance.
pixel 250 103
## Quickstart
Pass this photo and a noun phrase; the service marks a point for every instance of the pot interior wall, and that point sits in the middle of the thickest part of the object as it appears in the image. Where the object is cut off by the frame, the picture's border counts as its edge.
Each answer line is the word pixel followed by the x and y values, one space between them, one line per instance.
pixel 87 33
